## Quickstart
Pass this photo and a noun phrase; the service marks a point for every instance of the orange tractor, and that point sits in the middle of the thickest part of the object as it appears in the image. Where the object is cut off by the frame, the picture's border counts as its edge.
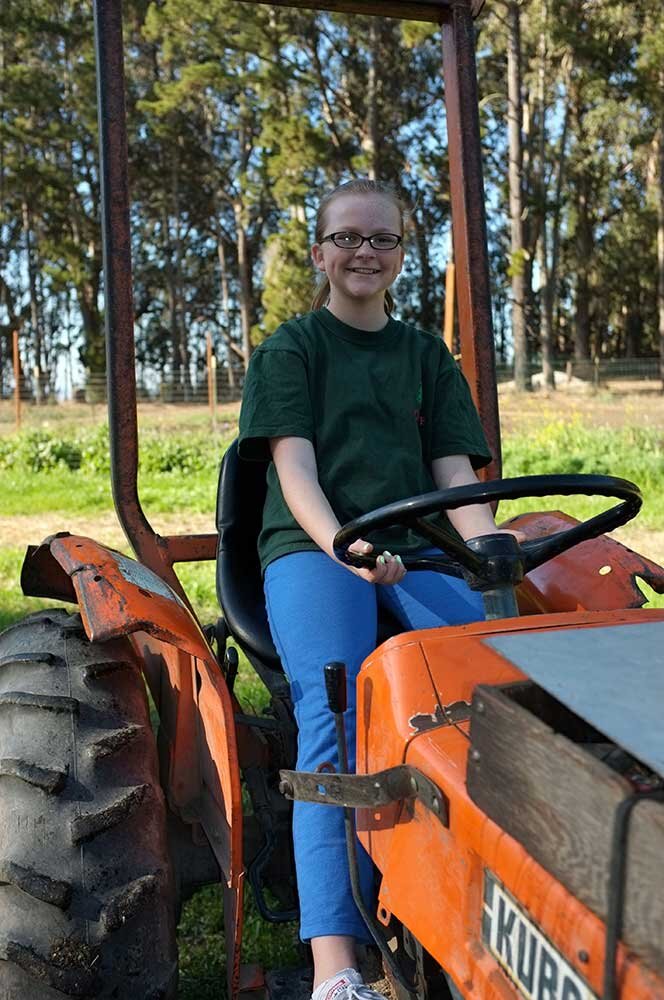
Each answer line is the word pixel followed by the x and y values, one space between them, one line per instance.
pixel 509 782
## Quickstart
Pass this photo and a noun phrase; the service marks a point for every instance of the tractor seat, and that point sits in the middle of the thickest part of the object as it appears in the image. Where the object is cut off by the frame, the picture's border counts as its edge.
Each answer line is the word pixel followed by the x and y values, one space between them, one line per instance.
pixel 240 499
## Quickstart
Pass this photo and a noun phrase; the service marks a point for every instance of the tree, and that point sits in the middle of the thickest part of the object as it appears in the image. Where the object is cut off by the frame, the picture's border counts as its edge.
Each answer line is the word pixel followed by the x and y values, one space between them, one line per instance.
pixel 515 173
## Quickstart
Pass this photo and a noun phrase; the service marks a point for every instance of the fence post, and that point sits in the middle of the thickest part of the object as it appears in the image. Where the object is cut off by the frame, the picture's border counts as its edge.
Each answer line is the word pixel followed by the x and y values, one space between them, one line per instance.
pixel 212 382
pixel 17 380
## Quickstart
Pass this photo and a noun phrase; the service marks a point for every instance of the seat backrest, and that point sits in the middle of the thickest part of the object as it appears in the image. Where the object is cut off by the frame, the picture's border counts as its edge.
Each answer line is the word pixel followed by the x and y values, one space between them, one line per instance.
pixel 240 500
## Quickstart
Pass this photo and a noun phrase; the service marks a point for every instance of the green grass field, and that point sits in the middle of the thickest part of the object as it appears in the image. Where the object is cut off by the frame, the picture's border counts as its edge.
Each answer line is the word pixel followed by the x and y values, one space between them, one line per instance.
pixel 63 470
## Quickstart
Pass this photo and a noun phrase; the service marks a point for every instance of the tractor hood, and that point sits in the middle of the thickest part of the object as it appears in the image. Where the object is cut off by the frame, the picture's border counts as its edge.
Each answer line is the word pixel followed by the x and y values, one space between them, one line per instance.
pixel 611 676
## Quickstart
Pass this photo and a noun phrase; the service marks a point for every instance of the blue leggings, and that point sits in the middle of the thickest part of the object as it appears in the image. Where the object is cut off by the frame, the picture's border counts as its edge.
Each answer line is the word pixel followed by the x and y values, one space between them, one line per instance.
pixel 318 612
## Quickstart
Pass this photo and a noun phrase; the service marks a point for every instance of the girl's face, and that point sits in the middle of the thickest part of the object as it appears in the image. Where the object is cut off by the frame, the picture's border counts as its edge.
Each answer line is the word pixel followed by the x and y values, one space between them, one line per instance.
pixel 364 273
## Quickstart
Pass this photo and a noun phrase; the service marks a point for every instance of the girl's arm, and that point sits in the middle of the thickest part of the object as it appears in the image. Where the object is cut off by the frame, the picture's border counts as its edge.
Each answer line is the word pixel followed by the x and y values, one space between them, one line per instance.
pixel 295 462
pixel 456 470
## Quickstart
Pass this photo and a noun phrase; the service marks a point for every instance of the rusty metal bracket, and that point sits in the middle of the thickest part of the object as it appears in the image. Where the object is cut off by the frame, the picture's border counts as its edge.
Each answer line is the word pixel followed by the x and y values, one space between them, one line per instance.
pixel 366 791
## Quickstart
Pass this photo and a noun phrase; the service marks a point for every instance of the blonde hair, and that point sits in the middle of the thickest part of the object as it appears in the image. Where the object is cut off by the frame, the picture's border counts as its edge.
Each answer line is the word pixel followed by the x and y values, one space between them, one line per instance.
pixel 361 186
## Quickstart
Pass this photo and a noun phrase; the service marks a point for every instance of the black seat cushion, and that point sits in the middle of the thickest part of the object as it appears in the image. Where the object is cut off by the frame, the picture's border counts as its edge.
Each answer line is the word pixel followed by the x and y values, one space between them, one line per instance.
pixel 240 500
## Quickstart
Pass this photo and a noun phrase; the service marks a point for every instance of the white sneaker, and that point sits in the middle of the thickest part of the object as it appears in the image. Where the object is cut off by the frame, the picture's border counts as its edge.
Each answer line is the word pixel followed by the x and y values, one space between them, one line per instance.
pixel 346 985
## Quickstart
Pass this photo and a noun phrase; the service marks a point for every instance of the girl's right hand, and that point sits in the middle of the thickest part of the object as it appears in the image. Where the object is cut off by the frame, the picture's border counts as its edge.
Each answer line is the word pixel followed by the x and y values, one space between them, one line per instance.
pixel 389 569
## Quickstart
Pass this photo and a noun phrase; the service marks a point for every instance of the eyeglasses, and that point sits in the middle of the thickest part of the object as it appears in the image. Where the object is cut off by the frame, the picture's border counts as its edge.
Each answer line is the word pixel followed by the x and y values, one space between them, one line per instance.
pixel 353 241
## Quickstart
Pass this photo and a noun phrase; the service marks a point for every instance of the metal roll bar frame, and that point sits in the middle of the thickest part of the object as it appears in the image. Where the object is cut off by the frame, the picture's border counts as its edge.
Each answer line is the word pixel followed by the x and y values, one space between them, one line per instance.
pixel 157 552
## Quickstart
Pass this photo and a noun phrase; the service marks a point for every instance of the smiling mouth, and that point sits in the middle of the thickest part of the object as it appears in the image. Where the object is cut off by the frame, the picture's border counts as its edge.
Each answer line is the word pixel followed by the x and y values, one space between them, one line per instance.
pixel 363 270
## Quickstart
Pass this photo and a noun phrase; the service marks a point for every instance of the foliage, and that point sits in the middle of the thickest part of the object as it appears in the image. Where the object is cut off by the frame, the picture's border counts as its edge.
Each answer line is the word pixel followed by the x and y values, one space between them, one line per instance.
pixel 633 453
pixel 46 471
pixel 570 447
pixel 288 285
pixel 239 115
pixel 37 451
pixel 68 471
pixel 87 451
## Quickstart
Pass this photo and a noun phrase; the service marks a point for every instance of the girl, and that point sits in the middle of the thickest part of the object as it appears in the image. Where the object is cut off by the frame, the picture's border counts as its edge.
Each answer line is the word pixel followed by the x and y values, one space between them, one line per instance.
pixel 356 410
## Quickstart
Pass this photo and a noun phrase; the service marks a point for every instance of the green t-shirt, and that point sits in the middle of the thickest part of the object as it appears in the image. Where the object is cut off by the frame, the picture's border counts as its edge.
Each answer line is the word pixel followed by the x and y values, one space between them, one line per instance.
pixel 378 407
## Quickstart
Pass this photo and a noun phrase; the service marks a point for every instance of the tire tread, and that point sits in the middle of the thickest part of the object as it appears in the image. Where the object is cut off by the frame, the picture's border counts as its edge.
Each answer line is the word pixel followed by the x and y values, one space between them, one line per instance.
pixel 86 888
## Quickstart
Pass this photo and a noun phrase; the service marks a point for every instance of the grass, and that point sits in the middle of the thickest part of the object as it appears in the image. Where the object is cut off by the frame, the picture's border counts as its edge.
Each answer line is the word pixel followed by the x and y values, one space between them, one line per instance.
pixel 633 453
pixel 202 946
pixel 12 603
pixel 188 485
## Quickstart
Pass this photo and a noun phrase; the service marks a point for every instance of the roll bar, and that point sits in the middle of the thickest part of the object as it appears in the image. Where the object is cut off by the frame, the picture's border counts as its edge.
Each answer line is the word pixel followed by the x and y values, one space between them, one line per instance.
pixel 468 231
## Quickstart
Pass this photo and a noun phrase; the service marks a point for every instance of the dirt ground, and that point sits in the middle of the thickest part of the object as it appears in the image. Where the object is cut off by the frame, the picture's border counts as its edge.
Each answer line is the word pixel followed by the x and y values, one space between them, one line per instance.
pixel 611 405
pixel 28 529
pixel 621 404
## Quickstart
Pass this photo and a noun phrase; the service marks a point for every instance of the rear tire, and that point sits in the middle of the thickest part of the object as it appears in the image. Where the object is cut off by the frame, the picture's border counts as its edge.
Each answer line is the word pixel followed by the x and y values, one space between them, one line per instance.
pixel 86 886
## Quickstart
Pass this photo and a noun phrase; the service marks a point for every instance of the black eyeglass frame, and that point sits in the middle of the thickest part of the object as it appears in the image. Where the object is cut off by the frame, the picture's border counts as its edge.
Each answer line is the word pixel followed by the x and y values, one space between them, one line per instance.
pixel 363 239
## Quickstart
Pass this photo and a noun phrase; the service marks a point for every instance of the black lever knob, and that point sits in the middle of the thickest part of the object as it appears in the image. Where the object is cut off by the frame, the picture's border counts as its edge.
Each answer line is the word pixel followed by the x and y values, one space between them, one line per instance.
pixel 335 685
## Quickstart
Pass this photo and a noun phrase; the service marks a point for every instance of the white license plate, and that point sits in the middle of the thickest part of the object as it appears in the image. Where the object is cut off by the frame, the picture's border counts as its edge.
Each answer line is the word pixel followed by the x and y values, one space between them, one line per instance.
pixel 536 968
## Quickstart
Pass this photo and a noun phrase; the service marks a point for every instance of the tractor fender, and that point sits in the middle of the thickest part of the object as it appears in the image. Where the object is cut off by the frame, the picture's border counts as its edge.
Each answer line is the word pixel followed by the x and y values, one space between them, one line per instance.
pixel 600 574
pixel 116 595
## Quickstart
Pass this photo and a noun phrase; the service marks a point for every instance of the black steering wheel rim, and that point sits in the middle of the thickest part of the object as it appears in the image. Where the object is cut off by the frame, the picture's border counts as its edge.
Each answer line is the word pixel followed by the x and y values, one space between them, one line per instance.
pixel 411 512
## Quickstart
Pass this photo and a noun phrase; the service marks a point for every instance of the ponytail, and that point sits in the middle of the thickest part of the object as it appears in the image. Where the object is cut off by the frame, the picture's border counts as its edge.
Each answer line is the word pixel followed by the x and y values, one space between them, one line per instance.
pixel 321 294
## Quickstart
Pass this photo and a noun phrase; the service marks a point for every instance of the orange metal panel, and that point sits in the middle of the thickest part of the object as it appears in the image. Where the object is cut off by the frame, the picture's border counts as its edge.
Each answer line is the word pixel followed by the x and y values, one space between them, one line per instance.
pixel 395 685
pixel 443 909
pixel 170 672
pixel 118 595
pixel 455 863
pixel 385 703
pixel 220 770
pixel 597 575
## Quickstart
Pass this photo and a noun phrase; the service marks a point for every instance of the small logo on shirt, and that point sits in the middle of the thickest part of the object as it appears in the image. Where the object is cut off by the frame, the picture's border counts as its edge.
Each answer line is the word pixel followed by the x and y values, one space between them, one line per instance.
pixel 419 419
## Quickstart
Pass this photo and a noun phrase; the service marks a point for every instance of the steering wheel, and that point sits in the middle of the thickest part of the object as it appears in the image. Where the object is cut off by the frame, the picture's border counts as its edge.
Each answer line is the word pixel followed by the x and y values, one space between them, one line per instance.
pixel 503 559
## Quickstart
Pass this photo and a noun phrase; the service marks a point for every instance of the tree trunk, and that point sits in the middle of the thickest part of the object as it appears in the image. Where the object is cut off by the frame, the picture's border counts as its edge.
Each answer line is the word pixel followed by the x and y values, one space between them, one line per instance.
pixel 660 248
pixel 171 298
pixel 246 284
pixel 514 117
pixel 173 270
pixel 3 251
pixel 86 240
pixel 423 243
pixel 183 338
pixel 178 324
pixel 584 249
pixel 546 313
pixel 370 137
pixel 633 329
pixel 35 306
pixel 226 331
pixel 551 297
pixel 583 235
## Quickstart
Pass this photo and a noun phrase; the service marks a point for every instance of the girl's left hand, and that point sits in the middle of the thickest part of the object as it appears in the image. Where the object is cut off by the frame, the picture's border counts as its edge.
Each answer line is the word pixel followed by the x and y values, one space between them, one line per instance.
pixel 388 571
